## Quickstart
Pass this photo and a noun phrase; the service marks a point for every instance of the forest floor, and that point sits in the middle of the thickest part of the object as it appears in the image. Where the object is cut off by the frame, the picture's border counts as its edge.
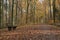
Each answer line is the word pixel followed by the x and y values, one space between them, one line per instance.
pixel 31 32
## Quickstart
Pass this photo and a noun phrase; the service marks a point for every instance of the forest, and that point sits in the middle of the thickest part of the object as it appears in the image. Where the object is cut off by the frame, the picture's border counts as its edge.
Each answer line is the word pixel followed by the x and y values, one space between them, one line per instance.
pixel 29 19
pixel 26 12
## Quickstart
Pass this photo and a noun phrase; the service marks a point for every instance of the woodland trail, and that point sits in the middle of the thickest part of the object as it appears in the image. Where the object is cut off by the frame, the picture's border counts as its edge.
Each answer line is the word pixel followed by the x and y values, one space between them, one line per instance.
pixel 31 32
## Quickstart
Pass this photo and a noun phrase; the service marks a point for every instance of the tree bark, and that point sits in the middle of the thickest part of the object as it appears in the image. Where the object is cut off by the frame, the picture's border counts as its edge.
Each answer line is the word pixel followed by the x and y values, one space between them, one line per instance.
pixel 54 10
pixel 0 13
pixel 27 12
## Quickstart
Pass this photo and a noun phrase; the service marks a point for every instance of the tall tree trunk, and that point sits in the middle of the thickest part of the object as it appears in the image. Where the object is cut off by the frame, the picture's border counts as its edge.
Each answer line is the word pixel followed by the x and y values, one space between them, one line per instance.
pixel 0 13
pixel 31 12
pixel 27 12
pixel 16 13
pixel 59 10
pixel 12 13
pixel 21 11
pixel 2 19
pixel 34 11
pixel 45 15
pixel 54 10
pixel 50 9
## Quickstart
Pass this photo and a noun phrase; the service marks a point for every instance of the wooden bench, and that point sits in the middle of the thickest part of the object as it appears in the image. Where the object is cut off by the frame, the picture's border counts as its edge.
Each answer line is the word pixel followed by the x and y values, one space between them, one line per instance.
pixel 11 27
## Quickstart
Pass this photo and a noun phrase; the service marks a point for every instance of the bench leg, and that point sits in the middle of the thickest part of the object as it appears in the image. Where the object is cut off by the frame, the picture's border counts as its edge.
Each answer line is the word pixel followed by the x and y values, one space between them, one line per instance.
pixel 9 28
pixel 14 27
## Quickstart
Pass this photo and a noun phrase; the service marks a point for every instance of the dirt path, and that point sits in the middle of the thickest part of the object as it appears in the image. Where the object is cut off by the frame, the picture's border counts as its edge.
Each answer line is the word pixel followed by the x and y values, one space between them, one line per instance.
pixel 31 32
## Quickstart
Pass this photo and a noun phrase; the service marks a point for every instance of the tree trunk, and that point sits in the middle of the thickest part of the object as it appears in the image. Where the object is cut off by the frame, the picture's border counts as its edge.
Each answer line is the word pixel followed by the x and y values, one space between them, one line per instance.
pixel 54 10
pixel 27 12
pixel 0 13
pixel 50 9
